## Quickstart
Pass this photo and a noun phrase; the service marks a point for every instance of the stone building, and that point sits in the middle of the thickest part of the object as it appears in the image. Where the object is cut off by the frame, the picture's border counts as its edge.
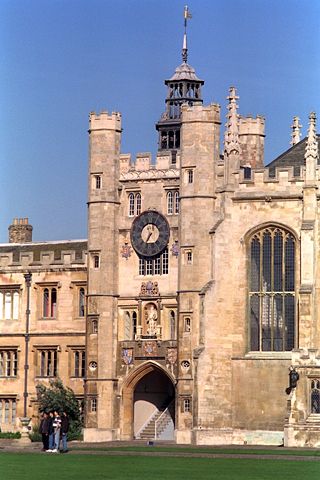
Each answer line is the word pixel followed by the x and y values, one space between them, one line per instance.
pixel 201 281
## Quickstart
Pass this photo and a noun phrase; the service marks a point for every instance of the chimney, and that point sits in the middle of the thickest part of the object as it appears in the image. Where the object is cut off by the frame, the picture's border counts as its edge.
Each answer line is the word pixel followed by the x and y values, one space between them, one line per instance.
pixel 20 231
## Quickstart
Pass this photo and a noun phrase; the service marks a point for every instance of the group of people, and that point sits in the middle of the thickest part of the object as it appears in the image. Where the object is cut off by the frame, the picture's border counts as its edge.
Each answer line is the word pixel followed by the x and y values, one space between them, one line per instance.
pixel 54 429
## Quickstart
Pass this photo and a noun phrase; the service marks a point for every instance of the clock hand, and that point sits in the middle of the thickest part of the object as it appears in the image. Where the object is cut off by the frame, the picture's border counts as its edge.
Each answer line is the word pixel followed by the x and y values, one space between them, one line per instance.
pixel 148 237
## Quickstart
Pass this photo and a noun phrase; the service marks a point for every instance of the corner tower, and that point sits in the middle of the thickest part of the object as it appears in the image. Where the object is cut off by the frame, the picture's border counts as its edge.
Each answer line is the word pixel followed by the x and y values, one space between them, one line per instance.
pixel 184 87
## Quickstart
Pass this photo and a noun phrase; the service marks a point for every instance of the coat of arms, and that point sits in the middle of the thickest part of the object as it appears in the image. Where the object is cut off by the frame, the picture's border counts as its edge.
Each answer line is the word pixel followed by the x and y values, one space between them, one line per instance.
pixel 175 248
pixel 127 356
pixel 126 251
pixel 150 348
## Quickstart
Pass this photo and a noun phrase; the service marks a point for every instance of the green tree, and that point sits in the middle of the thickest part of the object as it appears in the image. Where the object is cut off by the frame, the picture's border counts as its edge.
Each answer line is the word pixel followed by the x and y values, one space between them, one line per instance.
pixel 58 397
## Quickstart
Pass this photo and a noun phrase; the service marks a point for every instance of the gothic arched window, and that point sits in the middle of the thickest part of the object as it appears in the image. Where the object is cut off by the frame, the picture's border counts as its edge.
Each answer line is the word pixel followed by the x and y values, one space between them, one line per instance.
pixel 272 290
pixel 138 204
pixel 131 205
pixel 172 325
pixel 176 202
pixel 170 203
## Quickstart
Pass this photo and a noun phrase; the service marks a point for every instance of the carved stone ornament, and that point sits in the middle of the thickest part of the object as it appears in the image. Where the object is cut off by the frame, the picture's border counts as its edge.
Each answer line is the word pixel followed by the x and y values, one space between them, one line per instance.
pixel 127 356
pixel 149 289
pixel 92 305
pixel 175 248
pixel 126 250
pixel 185 366
pixel 93 366
pixel 150 348
pixel 172 355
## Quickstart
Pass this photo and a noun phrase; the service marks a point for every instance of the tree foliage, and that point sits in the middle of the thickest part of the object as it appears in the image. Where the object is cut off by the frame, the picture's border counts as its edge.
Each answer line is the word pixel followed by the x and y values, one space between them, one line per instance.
pixel 62 399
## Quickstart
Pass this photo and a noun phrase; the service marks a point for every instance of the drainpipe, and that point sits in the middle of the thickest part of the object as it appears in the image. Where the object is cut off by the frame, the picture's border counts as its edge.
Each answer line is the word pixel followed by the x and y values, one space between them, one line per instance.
pixel 25 420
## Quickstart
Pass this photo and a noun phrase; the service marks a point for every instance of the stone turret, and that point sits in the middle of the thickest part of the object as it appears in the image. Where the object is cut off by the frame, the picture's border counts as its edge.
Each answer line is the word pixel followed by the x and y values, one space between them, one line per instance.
pixel 20 231
pixel 251 137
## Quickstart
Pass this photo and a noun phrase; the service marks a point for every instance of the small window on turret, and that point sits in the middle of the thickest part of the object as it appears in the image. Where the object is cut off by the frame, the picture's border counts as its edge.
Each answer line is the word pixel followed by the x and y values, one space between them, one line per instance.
pixel 98 182
pixel 96 261
pixel 190 176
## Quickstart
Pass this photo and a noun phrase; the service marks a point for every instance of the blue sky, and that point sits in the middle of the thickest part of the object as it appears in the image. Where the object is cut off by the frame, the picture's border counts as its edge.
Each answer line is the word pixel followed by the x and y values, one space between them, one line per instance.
pixel 62 59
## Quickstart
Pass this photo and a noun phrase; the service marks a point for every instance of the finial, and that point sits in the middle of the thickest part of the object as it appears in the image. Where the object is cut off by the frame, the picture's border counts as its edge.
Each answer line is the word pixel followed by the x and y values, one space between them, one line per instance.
pixel 296 134
pixel 311 155
pixel 231 136
pixel 312 144
pixel 186 15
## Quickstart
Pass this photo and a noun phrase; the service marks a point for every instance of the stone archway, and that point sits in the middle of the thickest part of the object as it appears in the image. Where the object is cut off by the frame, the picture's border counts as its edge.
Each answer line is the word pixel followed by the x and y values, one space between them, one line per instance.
pixel 147 388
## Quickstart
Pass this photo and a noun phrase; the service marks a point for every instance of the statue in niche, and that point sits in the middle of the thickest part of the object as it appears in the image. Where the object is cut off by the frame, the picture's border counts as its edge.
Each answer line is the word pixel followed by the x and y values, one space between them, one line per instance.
pixel 151 316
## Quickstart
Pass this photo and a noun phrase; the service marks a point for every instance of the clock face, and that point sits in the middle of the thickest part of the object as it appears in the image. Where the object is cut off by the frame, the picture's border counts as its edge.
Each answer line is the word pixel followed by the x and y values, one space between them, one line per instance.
pixel 150 233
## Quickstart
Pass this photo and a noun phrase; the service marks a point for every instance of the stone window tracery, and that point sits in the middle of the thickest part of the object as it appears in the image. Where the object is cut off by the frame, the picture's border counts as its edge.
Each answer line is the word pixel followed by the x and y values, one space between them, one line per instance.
pixel 49 302
pixel 272 290
pixel 48 362
pixel 9 304
pixel 8 363
pixel 134 200
pixel 8 411
pixel 173 202
pixel 82 297
pixel 79 363
pixel 158 265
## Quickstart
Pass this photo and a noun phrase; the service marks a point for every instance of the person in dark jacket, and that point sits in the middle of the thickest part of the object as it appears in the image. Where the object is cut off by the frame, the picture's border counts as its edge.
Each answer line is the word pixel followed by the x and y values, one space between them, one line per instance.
pixel 50 431
pixel 64 431
pixel 44 430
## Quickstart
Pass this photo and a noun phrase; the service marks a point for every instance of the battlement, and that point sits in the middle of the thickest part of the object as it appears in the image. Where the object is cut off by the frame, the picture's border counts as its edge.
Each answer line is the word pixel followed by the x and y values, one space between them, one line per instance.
pixel 306 357
pixel 200 113
pixel 65 254
pixel 143 162
pixel 250 125
pixel 105 121
pixel 283 177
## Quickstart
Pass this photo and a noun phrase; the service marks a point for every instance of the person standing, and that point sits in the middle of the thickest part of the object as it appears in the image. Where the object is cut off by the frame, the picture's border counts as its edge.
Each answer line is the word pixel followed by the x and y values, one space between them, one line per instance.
pixel 56 431
pixel 64 431
pixel 50 432
pixel 44 430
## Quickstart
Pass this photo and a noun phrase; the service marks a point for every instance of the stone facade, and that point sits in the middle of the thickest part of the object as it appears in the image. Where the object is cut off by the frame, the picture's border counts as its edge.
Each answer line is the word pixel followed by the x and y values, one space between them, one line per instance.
pixel 56 332
pixel 207 324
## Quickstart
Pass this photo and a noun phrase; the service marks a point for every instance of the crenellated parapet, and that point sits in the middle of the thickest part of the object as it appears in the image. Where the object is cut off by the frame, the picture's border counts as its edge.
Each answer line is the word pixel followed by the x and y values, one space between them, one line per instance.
pixel 143 162
pixel 47 255
pixel 151 174
pixel 304 357
pixel 105 121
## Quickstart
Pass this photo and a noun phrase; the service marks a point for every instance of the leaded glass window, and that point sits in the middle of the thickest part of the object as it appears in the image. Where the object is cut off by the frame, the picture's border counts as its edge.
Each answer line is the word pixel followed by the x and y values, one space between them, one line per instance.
pixel 315 396
pixel 272 290
pixel 158 265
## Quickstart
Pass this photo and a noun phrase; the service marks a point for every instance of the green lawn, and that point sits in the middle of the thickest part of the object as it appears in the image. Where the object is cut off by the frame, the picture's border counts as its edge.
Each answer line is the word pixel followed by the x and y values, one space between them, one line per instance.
pixel 213 450
pixel 29 466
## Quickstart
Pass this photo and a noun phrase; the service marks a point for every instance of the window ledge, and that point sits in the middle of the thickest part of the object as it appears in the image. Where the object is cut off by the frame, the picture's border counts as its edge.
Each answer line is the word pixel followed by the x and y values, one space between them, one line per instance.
pixel 264 356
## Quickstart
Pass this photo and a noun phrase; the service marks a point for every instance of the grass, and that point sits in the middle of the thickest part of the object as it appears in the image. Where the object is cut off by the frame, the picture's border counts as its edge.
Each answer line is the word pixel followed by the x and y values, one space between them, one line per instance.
pixel 212 450
pixel 30 466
